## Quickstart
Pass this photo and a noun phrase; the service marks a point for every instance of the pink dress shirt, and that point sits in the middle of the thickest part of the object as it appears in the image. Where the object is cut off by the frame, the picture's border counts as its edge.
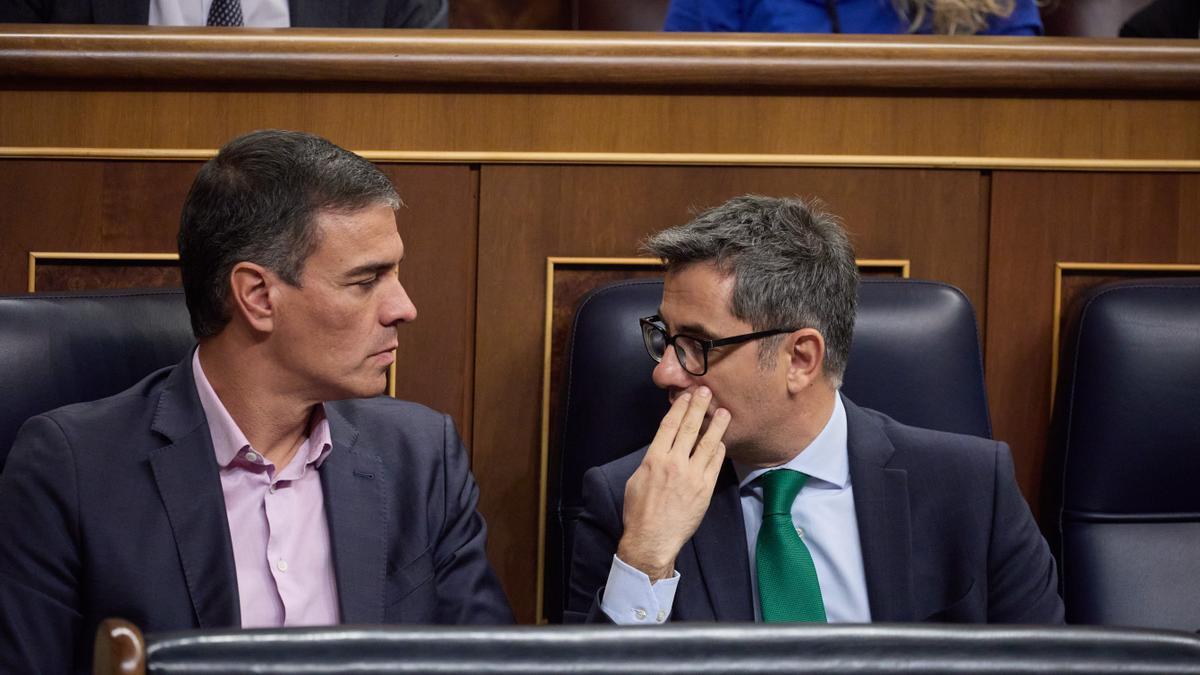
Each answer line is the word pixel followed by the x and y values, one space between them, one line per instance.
pixel 276 521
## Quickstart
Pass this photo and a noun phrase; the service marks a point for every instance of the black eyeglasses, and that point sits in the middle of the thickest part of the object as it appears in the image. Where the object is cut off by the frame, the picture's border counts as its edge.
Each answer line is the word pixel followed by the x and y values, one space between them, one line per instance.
pixel 692 352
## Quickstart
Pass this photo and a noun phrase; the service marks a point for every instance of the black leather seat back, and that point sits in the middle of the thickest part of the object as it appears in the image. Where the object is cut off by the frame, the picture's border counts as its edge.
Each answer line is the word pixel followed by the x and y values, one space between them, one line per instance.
pixel 674 648
pixel 915 356
pixel 61 348
pixel 1128 429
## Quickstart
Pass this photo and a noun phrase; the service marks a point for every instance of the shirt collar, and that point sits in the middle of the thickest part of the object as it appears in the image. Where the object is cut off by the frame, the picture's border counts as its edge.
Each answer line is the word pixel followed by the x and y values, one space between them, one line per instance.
pixel 228 439
pixel 825 459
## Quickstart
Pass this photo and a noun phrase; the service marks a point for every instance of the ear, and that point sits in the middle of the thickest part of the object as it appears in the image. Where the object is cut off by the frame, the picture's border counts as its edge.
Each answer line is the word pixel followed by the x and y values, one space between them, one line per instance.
pixel 250 295
pixel 806 358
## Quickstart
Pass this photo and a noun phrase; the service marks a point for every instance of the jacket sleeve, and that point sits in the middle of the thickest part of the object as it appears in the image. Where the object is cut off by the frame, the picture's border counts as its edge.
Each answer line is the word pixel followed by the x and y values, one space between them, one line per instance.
pixel 468 590
pixel 1022 580
pixel 40 618
pixel 597 533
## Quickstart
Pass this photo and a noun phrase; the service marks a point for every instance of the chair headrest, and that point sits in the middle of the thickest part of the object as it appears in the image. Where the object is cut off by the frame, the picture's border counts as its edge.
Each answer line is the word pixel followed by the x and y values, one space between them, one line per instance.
pixel 1131 396
pixel 61 348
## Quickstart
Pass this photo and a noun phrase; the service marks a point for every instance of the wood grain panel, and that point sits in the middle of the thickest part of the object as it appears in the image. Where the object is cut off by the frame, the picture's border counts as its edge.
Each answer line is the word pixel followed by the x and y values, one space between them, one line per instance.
pixel 1038 219
pixel 90 275
pixel 84 206
pixel 474 121
pixel 133 207
pixel 931 217
pixel 435 364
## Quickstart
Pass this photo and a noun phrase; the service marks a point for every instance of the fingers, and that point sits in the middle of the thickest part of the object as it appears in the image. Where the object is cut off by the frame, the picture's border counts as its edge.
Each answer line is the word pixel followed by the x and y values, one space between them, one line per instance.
pixel 693 419
pixel 712 436
pixel 669 427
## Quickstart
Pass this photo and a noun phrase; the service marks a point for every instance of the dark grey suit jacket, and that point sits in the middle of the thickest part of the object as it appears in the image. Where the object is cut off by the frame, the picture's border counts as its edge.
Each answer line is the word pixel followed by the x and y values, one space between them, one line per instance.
pixel 114 508
pixel 945 533
pixel 304 13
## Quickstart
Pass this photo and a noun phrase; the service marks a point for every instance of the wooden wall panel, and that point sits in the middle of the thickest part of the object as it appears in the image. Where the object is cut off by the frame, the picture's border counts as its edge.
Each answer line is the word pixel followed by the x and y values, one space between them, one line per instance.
pixel 87 206
pixel 480 121
pixel 1037 220
pixel 133 207
pixel 934 218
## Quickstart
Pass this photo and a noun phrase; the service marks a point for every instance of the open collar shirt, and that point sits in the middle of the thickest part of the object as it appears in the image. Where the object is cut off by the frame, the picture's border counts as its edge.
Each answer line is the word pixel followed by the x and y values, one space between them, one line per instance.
pixel 277 524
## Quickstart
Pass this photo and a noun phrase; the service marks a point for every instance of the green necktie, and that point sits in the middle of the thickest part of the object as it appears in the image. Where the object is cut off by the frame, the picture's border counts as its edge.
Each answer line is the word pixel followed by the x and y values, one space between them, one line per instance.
pixel 787 580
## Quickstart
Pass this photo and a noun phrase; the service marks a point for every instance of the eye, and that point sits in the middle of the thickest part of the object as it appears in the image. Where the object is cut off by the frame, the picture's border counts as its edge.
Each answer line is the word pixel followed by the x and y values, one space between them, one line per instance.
pixel 368 282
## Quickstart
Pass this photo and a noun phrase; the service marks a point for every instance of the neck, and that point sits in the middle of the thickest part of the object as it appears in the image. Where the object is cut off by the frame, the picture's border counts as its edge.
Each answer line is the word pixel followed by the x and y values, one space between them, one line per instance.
pixel 274 422
pixel 804 421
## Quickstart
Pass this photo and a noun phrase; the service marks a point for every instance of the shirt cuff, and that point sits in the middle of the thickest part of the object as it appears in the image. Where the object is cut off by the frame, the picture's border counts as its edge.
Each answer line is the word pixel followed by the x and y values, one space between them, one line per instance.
pixel 631 600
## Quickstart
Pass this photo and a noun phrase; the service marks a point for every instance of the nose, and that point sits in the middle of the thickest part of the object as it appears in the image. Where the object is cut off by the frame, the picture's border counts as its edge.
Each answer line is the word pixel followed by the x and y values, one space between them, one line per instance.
pixel 397 306
pixel 669 373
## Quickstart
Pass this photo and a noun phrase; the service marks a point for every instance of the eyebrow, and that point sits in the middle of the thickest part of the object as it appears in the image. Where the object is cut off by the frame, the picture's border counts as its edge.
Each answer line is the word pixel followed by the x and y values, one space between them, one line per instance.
pixel 371 267
pixel 691 329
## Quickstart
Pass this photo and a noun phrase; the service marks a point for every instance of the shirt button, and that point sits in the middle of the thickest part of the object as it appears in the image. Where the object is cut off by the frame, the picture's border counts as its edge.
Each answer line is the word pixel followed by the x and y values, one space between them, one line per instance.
pixel 281 565
pixel 800 531
pixel 272 488
pixel 251 456
pixel 639 614
pixel 662 616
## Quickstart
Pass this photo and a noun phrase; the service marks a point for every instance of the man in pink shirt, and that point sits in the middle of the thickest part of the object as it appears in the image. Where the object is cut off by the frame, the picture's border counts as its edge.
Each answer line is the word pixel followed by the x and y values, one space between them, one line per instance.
pixel 263 481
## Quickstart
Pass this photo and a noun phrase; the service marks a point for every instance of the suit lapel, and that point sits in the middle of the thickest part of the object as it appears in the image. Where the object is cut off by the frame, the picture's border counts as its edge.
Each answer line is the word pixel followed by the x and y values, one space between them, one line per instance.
pixel 356 507
pixel 189 483
pixel 884 529
pixel 720 545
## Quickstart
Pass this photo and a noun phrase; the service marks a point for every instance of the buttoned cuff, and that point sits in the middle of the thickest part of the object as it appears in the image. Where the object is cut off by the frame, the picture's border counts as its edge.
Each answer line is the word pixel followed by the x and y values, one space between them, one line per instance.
pixel 631 600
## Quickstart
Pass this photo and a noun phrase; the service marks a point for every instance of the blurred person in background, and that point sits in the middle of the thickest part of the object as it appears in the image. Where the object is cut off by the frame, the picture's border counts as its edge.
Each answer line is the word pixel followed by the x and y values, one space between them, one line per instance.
pixel 941 17
pixel 252 13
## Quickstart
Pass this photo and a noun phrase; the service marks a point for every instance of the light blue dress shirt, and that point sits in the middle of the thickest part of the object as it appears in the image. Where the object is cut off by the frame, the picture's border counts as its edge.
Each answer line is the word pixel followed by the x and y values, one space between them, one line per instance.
pixel 824 515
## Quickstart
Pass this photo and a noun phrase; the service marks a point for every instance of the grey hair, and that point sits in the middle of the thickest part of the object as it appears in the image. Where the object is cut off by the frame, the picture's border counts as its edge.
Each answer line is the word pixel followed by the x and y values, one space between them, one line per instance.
pixel 792 263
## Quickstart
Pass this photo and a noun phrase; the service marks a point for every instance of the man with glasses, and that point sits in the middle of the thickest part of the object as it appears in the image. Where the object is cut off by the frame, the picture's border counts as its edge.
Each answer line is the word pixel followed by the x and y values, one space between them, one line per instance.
pixel 766 494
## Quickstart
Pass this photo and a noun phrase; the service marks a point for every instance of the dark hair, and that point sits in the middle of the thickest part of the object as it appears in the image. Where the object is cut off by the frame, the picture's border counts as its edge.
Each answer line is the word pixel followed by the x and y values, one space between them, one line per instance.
pixel 257 201
pixel 792 262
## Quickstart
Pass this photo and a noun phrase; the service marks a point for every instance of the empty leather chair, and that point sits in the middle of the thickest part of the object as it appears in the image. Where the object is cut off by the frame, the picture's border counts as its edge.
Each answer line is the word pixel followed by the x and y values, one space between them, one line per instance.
pixel 60 348
pixel 1127 430
pixel 724 648
pixel 915 356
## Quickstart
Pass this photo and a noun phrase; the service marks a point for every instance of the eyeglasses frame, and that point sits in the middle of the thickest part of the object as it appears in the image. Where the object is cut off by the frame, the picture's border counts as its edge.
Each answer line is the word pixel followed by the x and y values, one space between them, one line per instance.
pixel 653 321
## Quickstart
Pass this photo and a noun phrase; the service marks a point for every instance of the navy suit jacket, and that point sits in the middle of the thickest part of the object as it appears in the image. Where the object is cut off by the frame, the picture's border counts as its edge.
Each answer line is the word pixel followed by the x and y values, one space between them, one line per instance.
pixel 304 13
pixel 114 508
pixel 945 534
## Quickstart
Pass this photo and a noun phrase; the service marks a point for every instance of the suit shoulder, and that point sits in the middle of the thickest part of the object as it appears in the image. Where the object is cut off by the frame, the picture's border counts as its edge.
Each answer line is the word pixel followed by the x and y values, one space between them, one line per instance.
pixel 920 445
pixel 388 410
pixel 140 399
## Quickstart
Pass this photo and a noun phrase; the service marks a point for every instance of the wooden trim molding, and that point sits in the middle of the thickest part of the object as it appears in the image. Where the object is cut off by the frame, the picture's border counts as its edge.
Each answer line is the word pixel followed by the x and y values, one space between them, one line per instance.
pixel 39 257
pixel 650 159
pixel 588 61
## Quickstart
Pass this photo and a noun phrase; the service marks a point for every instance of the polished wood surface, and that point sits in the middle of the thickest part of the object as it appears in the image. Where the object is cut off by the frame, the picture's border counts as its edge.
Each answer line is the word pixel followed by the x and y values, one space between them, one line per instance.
pixel 513 146
pixel 584 60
